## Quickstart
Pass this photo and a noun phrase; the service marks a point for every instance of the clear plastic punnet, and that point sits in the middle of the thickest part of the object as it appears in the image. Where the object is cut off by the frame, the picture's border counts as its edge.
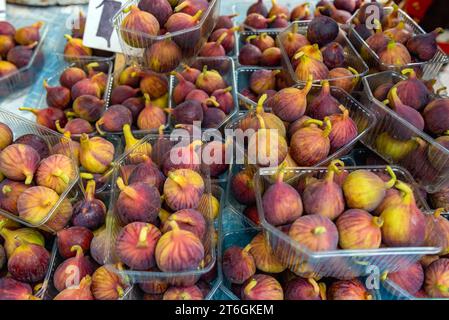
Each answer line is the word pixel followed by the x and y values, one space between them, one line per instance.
pixel 340 264
pixel 352 57
pixel 430 69
pixel 190 41
pixel 410 144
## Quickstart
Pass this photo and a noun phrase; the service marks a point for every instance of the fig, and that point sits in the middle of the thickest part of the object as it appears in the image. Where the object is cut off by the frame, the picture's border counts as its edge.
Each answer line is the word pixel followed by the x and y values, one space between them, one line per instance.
pixel 412 92
pixel 136 243
pixel 12 238
pixel 123 92
pixel 411 279
pixel 258 7
pixel 363 31
pixel 322 30
pixel 437 232
pixel 183 189
pixel 308 67
pixel 56 172
pixel 189 73
pixel 344 78
pixel 47 117
pixel 283 212
pixel 136 24
pixel 137 202
pixel 304 289
pixel 67 238
pixel 70 76
pixel 277 9
pixel 69 273
pixel 394 149
pixel 6 136
pixel 9 193
pixel 224 99
pixel 280 22
pixel 346 5
pixel 315 232
pixel 75 126
pixel 210 81
pixel 80 292
pixel 250 55
pixel 395 54
pixel 392 197
pixel 424 46
pixel 6 28
pixel 433 113
pixel 293 41
pixel 29 34
pixel 435 281
pixel 344 130
pixel 310 144
pixel 135 105
pixel 99 242
pixel 181 21
pixel 79 26
pixel 404 111
pixel 365 190
pixel 191 7
pixel 381 92
pixel 21 56
pixel 183 293
pixel 214 117
pixel 324 104
pixel 348 290
pixel 19 162
pixel 242 187
pixel 88 107
pixel 89 212
pixel 404 223
pixel 209 207
pixel 301 12
pixel 258 21
pixel 189 220
pixel 96 154
pixel 160 9
pixel 85 87
pixel 214 48
pixel 290 104
pixel 198 95
pixel 262 287
pixel 263 80
pixel 311 50
pixel 11 289
pixel 399 33
pixel 130 76
pixel 154 84
pixel 148 173
pixel 7 68
pixel 155 286
pixel 29 262
pixel 271 57
pixel 107 285
pixel 228 42
pixel 187 112
pixel 137 150
pixel 263 255
pixel 113 119
pixel 163 56
pixel 179 250
pixel 333 55
pixel 75 48
pixel 325 197
pixel 182 88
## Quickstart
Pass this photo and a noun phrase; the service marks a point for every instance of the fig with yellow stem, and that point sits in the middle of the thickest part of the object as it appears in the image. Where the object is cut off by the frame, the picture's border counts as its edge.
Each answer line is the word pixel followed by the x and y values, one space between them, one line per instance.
pixel 56 172
pixel 96 154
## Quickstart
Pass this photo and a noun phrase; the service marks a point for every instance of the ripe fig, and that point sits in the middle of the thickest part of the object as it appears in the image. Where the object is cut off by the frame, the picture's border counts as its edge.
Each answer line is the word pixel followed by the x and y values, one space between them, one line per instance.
pixel 67 238
pixel 395 54
pixel 271 57
pixel 301 12
pixel 9 193
pixel 293 42
pixel 309 67
pixel 136 243
pixel 187 112
pixel 348 290
pixel 399 33
pixel 333 55
pixel 304 289
pixel 88 107
pixel 344 78
pixel 404 111
pixel 424 46
pixel 214 48
pixel 263 255
pixel 257 21
pixel 189 220
pixel 315 232
pixel 191 7
pixel 72 75
pixel 322 30
pixel 85 87
pixel 224 99
pixel 411 279
pixel 437 232
pixel 412 92
pixel 75 126
pixel 151 117
pixel 280 22
pixel 6 28
pixel 113 119
pixel 183 189
pixel 98 249
pixel 47 117
pixel 250 55
pixel 394 149
pixel 80 292
pixel 183 293
pixel 21 56
pixel 160 9
pixel 90 212
pixel 228 42
pixel 381 92
pixel 163 56
pixel 365 190
pixel 11 289
pixel 147 172
pixel 56 172
pixel 107 285
pixel 344 129
pixel 135 105
pixel 154 84
pixel 242 187
pixel 435 282
pixel 96 154
pixel 179 250
pixel 19 162
pixel 262 287
pixel 311 51
pixel 123 92
pixel 136 24
pixel 7 68
pixel 214 117
pixel 27 35
pixel 324 104
pixel 436 122
pixel 6 136
pixel 155 286
pixel 181 21
pixel 182 88
pixel 210 81
pixel 209 207
pixel 75 48
pixel 258 7
pixel 277 9
pixel 13 238
pixel 238 264
pixel 190 73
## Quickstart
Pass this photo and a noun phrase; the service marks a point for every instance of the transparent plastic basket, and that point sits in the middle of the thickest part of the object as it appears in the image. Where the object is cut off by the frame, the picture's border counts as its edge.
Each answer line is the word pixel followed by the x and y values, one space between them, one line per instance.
pixel 20 126
pixel 429 68
pixel 25 76
pixel 392 291
pixel 340 264
pixel 241 41
pixel 190 41
pixel 52 247
pixel 225 66
pixel 352 58
pixel 431 176
pixel 114 226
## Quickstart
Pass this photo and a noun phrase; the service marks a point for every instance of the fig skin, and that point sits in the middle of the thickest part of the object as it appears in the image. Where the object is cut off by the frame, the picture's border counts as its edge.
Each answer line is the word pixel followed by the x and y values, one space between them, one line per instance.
pixel 29 263
pixel 56 172
pixel 187 112
pixel 183 158
pixel 262 41
pixel 437 232
pixel 325 197
pixel 381 92
pixel 189 220
pixel 81 292
pixel 258 7
pixel 107 285
pixel 75 126
pixel 301 12
pixel 228 42
pixel 412 92
pixel 262 287
pixel 210 81
pixel 12 238
pixel 303 289
pixel 440 199
pixel 293 42
pixel 324 104
pixel 322 30
pixel 436 122
pixel 411 279
pixel 399 33
pixel 11 289
pixel 348 290
pixel 392 197
pixel 183 293
pixel 263 80
pixel 404 111
pixel 281 202
pixel 85 87
pixel 88 107
pixel 10 192
pixel 344 78
pixel 250 55
pixel 160 9
pixel 257 21
pixel 70 76
pixel 271 57
pixel 147 172
pixel 264 257
pixel 67 238
pixel 183 189
pixel 29 34
pixel 6 136
pixel 138 202
pixel 395 54
pixel 47 117
pixel 21 56
pixel 365 190
pixel 19 162
pixel 435 282
pixel 315 232
pixel 113 119
pixel 333 55
pixel 96 154
pixel 135 245
pixel 7 68
pixel 344 130
pixel 89 212
pixel 190 73
pixel 98 244
pixel 6 28
pixel 179 250
pixel 242 187
pixel 154 84
pixel 209 207
pixel 138 22
pixel 424 46
pixel 307 67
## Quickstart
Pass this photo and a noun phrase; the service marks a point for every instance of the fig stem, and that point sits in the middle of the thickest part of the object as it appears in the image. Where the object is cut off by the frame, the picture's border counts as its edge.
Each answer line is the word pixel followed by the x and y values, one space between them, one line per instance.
pixel 161 130
pixel 323 290
pixel 410 72
pixel 250 286
pixel 260 103
pixel 143 237
pixel 393 179
pixel 6 189
pixel 130 140
pixel 78 249
pixel 120 291
pixel 61 175
pixel 407 192
pixel 333 169
pixel 181 6
pixel 308 85
pixel 327 131
pixel 90 190
pixel 97 126
pixel 58 127
pixel 378 221
pixel 86 176
pixel 29 178
pixel 34 111
pixel 212 101
pixel 221 39
pixel 261 122
pixel 314 284
pixel 179 180
pixel 130 192
pixel 344 111
pixel 313 121
pixel 438 212
pixel 174 225
pixel 281 172
pixel 197 15
pixel 319 230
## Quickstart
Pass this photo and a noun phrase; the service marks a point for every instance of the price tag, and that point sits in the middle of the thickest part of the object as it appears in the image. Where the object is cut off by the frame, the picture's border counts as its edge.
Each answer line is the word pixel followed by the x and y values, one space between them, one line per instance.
pixel 100 32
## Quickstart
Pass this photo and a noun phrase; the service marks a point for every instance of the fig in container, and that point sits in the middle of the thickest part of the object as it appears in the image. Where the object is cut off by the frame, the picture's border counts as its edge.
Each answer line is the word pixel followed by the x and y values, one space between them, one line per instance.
pixel 304 289
pixel 179 250
pixel 301 12
pixel 19 162
pixel 434 116
pixel 56 172
pixel 107 285
pixel 181 21
pixel 9 194
pixel 154 286
pixel 14 238
pixel 151 117
pixel 242 186
pixel 281 202
pixel 436 282
pixel 393 148
pixel 344 129
pixel 333 55
pixel 88 107
pixel 404 111
pixel 47 117
pixel 137 202
pixel 21 56
pixel 96 154
pixel 75 48
pixel 137 150
pixel 6 44
pixel 324 104
pixel 75 126
pixel 325 197
pixel 80 292
pixel 70 76
pixel 183 293
pixel 322 30
pixel 147 172
pixel 258 7
pixel 400 33
pixel 344 78
pixel 412 92
pixel 262 287
pixel 228 42
pixel 315 232
pixel 210 81
pixel 404 223
pixel 67 238
pixel 160 9
pixel 263 255
pixel 7 68
pixel 365 190
pixel 437 232
pixel 187 157
pixel 137 25
pixel 263 80
pixel 214 48
pixel 11 289
pixel 187 112
pixel 6 136
pixel 257 21
pixel 89 212
pixel 183 189
pixel 29 34
pixel 136 244
pixel 182 88
pixel 154 84
pixel 189 220
pixel 209 207
pixel 113 119
pixel 310 144
pixel 348 290
pixel 411 278
pixel 250 55
pixel 395 54
pixel 424 46
pixel 293 41
pixel 307 66
pixel 312 51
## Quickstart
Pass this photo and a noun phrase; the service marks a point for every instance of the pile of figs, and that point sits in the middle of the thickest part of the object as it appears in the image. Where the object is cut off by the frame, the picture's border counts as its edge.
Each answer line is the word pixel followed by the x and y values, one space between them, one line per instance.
pixel 254 273
pixel 17 46
pixel 222 40
pixel 260 49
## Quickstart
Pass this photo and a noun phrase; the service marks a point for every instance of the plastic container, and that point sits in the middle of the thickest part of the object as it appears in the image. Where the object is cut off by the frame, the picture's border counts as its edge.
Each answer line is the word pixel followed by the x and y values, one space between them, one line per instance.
pixel 431 177
pixel 429 68
pixel 26 75
pixel 340 264
pixel 20 126
pixel 241 41
pixel 225 66
pixel 392 291
pixel 352 58
pixel 190 41
pixel 114 226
